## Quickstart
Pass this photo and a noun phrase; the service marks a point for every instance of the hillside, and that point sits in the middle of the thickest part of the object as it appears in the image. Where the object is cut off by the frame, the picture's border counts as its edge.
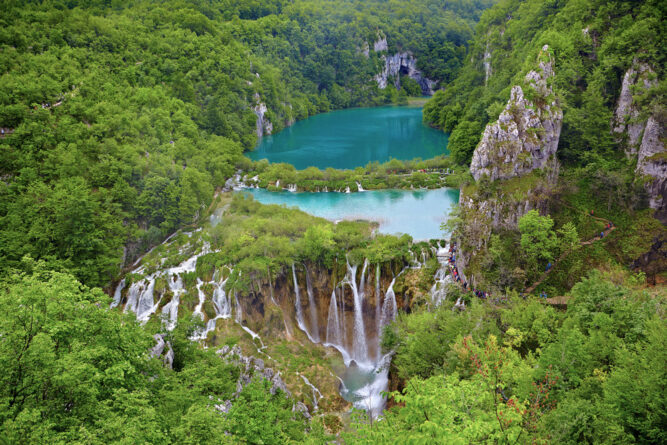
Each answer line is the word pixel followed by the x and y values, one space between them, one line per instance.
pixel 119 120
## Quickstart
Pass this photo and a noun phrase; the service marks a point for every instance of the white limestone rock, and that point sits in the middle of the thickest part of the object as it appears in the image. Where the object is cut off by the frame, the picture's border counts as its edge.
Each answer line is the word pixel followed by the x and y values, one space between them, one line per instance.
pixel 527 132
pixel 627 120
pixel 652 164
pixel 403 63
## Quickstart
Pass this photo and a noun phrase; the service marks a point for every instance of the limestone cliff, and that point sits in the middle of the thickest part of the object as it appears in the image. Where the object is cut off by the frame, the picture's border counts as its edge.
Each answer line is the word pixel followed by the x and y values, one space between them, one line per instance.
pixel 514 165
pixel 652 166
pixel 403 64
pixel 628 124
pixel 526 135
pixel 640 130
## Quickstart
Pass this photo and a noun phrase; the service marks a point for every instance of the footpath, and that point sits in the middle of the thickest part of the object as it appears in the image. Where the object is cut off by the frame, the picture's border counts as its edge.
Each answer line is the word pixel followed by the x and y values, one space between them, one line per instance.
pixel 609 227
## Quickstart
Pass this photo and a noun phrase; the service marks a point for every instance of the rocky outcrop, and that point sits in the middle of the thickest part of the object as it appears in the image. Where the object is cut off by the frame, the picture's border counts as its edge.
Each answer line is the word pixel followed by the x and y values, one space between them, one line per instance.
pixel 514 164
pixel 403 64
pixel 641 132
pixel 628 125
pixel 263 125
pixel 380 44
pixel 526 135
pixel 158 351
pixel 652 167
pixel 252 367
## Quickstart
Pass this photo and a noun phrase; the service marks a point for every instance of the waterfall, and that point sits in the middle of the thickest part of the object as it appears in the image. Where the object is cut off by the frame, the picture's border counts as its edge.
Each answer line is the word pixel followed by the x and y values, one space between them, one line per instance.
pixel 378 306
pixel 359 346
pixel 442 279
pixel 171 309
pixel 389 307
pixel 313 308
pixel 117 294
pixel 360 188
pixel 299 309
pixel 334 326
pixel 291 188
pixel 239 312
pixel 347 189
pixel 221 302
pixel 316 392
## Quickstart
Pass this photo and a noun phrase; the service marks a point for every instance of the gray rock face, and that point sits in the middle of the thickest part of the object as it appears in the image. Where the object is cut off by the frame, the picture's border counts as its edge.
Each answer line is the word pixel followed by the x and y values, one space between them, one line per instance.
pixel 627 120
pixel 526 135
pixel 263 125
pixel 380 44
pixel 254 367
pixel 159 350
pixel 403 63
pixel 652 164
pixel 642 136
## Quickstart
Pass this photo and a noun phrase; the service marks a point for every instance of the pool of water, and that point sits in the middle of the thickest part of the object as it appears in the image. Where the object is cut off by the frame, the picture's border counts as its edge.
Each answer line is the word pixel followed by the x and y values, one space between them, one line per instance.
pixel 351 138
pixel 419 213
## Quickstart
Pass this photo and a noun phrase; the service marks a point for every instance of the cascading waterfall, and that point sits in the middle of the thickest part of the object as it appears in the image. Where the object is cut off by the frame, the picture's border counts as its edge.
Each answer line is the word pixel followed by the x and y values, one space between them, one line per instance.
pixel 442 279
pixel 221 304
pixel 359 345
pixel 299 309
pixel 314 326
pixel 378 306
pixel 171 309
pixel 334 325
pixel 117 293
pixel 317 395
pixel 389 307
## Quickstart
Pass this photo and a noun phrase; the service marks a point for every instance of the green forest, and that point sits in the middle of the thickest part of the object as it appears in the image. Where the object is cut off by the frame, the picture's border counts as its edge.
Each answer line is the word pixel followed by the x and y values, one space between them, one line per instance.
pixel 122 123
pixel 126 116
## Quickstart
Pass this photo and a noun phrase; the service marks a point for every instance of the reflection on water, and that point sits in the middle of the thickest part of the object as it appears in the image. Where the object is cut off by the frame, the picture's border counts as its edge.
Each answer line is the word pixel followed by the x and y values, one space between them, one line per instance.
pixel 353 138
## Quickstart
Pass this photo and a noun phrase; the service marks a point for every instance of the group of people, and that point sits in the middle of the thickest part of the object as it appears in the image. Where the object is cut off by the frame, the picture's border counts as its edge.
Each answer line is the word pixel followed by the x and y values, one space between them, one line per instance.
pixel 455 274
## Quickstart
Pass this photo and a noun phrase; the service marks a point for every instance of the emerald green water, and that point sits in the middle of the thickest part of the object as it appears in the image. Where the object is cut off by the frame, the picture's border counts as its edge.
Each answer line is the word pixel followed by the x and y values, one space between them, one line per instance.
pixel 419 213
pixel 351 138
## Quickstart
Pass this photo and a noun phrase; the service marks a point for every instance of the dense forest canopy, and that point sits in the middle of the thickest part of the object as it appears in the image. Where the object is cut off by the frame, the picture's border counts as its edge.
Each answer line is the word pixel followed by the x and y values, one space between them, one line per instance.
pixel 594 43
pixel 120 119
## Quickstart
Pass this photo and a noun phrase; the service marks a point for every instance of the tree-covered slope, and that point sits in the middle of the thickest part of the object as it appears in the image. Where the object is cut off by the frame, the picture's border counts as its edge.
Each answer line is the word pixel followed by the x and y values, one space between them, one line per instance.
pixel 119 119
pixel 594 44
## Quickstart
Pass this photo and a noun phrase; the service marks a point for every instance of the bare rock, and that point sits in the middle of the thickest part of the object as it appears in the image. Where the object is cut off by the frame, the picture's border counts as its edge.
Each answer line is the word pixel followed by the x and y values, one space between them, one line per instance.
pixel 525 136
pixel 628 123
pixel 652 165
pixel 403 63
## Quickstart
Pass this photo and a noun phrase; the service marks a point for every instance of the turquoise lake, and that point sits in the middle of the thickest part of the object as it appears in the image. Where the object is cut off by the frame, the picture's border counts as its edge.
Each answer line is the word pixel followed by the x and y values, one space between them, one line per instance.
pixel 351 138
pixel 418 213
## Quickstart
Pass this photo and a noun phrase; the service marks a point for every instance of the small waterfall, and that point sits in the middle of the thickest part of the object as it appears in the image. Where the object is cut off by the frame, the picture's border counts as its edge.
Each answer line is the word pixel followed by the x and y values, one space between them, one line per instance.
pixel 360 347
pixel 291 188
pixel 442 279
pixel 221 302
pixel 378 306
pixel 347 189
pixel 389 307
pixel 299 309
pixel 313 308
pixel 360 188
pixel 334 325
pixel 171 309
pixel 317 395
pixel 278 183
pixel 117 294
